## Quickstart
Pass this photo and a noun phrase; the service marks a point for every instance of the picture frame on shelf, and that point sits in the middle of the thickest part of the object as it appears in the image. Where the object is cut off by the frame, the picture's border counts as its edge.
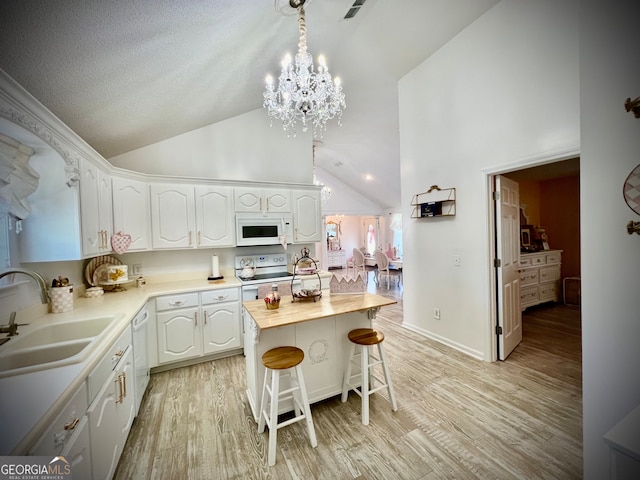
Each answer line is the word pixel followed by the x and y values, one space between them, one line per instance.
pixel 525 237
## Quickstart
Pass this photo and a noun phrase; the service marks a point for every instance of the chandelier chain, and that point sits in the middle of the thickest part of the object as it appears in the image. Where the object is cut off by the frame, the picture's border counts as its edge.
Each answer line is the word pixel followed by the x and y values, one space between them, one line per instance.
pixel 302 27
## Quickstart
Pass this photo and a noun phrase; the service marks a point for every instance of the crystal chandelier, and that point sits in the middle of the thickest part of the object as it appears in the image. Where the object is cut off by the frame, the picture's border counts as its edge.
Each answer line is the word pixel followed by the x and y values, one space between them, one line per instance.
pixel 303 94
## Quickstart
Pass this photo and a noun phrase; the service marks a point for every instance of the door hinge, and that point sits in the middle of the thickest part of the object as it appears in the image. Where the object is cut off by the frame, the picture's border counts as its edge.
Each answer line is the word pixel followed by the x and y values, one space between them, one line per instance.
pixel 496 195
pixel 498 329
pixel 497 262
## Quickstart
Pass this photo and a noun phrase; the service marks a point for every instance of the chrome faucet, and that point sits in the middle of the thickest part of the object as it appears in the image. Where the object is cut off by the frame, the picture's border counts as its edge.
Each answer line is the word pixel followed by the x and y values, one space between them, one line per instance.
pixel 44 297
pixel 12 328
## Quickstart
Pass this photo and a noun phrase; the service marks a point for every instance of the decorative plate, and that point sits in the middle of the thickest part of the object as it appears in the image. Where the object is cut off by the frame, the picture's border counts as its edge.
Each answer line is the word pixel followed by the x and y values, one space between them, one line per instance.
pixel 631 190
pixel 94 263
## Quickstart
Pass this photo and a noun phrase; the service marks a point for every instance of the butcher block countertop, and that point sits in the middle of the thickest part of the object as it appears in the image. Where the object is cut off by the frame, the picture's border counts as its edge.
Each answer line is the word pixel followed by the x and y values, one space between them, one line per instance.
pixel 305 310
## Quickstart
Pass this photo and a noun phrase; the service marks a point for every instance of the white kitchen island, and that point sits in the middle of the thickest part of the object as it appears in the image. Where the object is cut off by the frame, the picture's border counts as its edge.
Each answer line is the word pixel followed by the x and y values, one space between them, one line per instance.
pixel 318 328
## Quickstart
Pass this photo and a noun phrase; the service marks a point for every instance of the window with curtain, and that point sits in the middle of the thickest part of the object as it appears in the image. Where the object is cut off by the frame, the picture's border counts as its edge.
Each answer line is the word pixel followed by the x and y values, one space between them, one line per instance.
pixel 396 229
pixel 371 239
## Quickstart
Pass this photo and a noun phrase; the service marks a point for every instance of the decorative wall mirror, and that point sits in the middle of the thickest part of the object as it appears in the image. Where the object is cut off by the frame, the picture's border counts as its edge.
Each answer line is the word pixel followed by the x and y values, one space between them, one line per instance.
pixel 333 235
pixel 631 192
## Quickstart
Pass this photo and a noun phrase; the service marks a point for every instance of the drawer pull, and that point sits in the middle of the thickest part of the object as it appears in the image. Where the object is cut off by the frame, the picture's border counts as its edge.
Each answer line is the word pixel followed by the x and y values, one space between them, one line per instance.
pixel 119 353
pixel 177 303
pixel 195 316
pixel 72 424
pixel 205 317
pixel 222 297
pixel 119 382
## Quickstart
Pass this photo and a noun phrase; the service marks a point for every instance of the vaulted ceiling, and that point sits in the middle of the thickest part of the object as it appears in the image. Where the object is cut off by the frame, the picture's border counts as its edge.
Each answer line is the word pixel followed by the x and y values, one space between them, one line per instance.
pixel 125 74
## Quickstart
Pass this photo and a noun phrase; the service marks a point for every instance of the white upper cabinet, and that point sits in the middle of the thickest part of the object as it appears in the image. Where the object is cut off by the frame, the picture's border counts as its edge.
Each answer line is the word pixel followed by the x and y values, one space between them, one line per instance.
pixel 96 210
pixel 307 216
pixel 187 216
pixel 214 216
pixel 272 200
pixel 131 211
pixel 173 217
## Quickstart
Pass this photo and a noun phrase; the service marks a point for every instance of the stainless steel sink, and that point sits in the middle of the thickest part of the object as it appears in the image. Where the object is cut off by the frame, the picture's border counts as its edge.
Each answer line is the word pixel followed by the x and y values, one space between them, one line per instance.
pixel 53 345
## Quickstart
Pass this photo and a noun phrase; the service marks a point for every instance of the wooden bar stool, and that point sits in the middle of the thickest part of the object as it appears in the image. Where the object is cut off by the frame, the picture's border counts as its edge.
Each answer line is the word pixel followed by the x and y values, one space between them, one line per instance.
pixel 282 361
pixel 366 337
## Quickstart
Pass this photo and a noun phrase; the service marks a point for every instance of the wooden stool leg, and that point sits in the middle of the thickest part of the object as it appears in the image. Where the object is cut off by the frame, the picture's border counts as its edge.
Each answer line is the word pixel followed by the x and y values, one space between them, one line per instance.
pixel 305 405
pixel 273 417
pixel 262 407
pixel 346 383
pixel 387 378
pixel 364 389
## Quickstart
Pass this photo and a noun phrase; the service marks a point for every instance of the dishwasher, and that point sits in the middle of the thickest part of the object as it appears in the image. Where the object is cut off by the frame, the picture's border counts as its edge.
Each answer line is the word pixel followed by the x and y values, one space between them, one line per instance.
pixel 140 357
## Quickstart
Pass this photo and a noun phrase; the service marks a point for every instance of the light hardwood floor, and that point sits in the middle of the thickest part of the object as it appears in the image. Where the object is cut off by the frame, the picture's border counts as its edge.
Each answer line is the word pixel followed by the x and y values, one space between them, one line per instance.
pixel 458 417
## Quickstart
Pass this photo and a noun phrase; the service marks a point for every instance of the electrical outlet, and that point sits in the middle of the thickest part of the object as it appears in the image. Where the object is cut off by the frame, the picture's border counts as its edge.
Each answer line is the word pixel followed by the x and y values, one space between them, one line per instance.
pixel 436 313
pixel 456 260
pixel 137 269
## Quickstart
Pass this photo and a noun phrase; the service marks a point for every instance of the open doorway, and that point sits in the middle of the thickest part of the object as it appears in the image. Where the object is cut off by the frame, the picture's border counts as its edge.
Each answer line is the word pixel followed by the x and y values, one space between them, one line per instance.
pixel 548 236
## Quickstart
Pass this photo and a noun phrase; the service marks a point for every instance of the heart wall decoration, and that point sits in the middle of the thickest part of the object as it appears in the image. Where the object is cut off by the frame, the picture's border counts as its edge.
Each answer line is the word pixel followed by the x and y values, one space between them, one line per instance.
pixel 120 242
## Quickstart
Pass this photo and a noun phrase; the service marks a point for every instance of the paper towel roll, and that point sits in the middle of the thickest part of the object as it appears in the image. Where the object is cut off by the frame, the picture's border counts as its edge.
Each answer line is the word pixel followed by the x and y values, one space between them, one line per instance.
pixel 215 266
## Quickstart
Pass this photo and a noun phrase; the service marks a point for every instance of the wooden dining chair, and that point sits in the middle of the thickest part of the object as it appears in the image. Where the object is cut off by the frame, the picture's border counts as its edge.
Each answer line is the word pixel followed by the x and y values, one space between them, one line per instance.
pixel 383 268
pixel 359 265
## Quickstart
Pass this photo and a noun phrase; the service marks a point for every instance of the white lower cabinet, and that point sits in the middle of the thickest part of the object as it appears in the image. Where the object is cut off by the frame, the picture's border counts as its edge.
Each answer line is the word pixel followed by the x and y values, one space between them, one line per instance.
pixel 68 436
pixel 112 411
pixel 221 314
pixel 194 324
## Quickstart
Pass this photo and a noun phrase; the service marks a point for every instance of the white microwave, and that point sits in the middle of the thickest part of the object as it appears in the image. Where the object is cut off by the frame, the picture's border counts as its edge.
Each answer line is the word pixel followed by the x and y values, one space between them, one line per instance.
pixel 263 228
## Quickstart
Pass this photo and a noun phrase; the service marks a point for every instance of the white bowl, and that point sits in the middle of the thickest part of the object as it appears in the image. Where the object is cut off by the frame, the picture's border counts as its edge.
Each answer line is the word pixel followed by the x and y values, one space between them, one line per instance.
pixel 94 292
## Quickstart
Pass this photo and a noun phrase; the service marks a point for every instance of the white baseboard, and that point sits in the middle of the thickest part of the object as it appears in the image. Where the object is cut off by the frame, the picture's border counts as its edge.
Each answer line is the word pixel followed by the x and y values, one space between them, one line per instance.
pixel 446 341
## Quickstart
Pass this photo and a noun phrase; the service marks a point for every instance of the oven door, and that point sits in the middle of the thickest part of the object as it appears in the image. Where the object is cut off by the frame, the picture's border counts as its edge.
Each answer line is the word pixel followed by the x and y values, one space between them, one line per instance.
pixel 255 229
pixel 250 292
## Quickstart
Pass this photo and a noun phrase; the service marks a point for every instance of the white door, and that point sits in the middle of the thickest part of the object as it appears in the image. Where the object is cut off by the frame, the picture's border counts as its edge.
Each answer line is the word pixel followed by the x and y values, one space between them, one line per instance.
pixel 509 322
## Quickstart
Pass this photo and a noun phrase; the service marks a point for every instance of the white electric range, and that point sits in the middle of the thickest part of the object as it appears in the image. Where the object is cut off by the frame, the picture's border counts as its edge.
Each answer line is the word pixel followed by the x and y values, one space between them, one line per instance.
pixel 269 268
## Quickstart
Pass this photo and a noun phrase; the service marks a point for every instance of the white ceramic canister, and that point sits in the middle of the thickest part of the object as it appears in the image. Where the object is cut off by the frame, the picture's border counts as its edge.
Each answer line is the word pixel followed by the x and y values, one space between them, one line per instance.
pixel 61 299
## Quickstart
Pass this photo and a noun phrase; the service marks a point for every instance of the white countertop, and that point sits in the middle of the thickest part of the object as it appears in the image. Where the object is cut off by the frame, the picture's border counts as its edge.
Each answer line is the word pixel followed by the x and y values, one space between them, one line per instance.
pixel 29 402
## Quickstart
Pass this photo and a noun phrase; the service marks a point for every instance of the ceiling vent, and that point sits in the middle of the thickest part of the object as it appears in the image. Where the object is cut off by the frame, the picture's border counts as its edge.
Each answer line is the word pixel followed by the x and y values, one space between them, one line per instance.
pixel 355 8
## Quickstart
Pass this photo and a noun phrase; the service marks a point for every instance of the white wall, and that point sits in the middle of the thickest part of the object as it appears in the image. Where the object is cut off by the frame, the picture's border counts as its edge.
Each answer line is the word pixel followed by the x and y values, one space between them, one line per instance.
pixel 344 200
pixel 505 89
pixel 240 148
pixel 609 72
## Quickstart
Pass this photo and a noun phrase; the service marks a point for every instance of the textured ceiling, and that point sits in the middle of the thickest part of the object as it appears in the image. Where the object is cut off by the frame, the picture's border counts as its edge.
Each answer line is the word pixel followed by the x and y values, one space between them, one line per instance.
pixel 125 74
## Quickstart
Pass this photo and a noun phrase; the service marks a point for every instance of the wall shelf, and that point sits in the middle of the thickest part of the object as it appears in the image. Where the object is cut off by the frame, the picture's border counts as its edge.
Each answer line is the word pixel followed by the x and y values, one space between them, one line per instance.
pixel 435 202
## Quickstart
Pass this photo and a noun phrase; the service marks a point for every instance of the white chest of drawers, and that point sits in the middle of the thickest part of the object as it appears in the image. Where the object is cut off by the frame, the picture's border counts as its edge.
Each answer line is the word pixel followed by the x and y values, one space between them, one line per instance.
pixel 539 277
pixel 336 259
